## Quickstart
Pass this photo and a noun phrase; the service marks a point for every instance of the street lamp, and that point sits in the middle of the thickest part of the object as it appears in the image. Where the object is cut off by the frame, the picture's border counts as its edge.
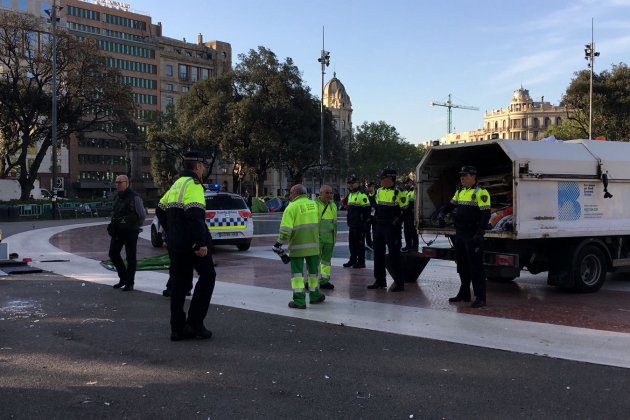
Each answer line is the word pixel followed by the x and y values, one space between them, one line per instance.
pixel 324 60
pixel 53 20
pixel 589 55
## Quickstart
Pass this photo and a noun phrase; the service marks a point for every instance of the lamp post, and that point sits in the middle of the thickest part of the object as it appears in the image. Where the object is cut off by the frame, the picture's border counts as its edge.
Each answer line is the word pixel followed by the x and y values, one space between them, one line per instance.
pixel 589 55
pixel 53 138
pixel 324 60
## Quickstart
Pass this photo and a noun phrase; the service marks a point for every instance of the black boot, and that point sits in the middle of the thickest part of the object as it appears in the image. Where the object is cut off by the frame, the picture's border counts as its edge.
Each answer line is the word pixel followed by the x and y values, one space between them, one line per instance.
pixel 349 264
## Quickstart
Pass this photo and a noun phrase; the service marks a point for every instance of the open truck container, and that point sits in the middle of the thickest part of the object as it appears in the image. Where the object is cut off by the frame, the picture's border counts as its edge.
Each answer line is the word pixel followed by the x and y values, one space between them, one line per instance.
pixel 570 205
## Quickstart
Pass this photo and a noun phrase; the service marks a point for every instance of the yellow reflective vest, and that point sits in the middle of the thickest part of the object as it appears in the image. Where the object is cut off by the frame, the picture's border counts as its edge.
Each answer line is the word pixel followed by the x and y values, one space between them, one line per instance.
pixel 299 227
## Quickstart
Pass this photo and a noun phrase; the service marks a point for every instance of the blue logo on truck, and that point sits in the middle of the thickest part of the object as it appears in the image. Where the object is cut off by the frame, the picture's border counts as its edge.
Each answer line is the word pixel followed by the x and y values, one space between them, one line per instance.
pixel 568 204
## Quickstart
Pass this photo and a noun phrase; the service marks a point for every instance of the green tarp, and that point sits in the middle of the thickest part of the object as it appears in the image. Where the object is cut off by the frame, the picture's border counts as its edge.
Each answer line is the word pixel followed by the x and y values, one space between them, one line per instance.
pixel 161 262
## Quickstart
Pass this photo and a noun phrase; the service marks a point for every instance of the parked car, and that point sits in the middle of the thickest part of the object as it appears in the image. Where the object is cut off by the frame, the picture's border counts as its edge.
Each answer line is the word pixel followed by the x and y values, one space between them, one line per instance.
pixel 228 218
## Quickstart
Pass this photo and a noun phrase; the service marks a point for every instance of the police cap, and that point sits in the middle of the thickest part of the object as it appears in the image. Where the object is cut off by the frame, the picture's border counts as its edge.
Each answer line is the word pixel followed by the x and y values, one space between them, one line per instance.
pixel 408 179
pixel 468 170
pixel 194 156
pixel 352 179
pixel 387 172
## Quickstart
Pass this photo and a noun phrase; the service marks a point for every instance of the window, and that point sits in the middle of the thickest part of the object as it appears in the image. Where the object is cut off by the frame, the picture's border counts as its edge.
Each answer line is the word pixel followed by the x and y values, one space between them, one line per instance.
pixel 558 120
pixel 205 73
pixel 185 89
pixel 169 87
pixel 169 70
pixel 183 72
pixel 169 100
pixel 224 202
pixel 535 123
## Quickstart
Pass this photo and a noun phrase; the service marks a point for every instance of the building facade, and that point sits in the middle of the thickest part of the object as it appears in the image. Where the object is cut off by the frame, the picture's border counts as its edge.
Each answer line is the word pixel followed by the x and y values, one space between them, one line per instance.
pixel 522 119
pixel 157 68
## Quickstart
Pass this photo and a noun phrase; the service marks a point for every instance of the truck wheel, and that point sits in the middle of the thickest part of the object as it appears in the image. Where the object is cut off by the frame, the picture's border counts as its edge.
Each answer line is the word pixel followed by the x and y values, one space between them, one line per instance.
pixel 589 271
pixel 156 237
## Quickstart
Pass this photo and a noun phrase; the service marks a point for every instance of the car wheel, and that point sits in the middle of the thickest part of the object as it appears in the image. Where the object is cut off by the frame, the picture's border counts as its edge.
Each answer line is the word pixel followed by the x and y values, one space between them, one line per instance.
pixel 244 247
pixel 156 237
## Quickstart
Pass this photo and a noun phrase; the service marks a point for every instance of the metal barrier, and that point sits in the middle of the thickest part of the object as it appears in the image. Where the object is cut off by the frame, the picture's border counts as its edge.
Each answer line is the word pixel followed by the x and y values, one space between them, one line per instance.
pixel 30 210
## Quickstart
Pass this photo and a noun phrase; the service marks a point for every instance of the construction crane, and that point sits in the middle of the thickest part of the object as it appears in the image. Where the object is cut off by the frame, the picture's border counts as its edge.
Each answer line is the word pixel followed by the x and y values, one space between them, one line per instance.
pixel 449 106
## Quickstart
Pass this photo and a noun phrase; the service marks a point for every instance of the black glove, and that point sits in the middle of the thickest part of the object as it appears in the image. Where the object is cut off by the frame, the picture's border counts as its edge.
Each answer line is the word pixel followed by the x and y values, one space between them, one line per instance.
pixel 441 221
pixel 277 248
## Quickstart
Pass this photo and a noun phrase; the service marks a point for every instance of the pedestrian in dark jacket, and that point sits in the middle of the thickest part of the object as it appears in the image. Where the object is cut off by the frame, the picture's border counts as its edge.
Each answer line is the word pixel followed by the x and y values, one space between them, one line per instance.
pixel 128 215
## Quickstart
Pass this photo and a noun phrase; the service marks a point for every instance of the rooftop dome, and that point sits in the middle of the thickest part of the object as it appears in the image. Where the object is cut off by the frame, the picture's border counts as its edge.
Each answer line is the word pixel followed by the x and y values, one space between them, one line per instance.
pixel 521 96
pixel 335 95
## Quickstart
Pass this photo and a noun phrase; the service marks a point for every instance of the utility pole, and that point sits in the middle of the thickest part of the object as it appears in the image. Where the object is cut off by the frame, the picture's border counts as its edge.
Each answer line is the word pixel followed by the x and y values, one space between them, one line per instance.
pixel 589 55
pixel 324 60
pixel 449 106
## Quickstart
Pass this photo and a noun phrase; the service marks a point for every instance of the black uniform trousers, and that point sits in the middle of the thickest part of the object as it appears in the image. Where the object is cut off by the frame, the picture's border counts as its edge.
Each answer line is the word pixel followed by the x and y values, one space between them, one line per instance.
pixel 469 259
pixel 369 229
pixel 387 235
pixel 130 241
pixel 411 235
pixel 356 239
pixel 183 264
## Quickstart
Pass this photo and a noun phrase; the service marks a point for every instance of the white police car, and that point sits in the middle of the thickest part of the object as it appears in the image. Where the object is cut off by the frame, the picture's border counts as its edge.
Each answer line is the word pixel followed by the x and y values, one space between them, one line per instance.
pixel 228 218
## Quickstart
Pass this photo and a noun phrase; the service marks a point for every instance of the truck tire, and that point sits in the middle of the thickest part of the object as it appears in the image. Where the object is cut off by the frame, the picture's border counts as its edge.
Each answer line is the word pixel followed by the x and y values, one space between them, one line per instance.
pixel 589 270
pixel 156 237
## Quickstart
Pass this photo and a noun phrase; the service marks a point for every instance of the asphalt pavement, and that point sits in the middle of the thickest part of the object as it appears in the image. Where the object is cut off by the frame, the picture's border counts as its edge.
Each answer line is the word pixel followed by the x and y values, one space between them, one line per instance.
pixel 71 349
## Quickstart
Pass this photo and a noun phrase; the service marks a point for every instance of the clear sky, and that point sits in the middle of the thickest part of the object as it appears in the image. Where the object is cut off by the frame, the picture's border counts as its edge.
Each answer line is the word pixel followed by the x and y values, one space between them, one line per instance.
pixel 395 57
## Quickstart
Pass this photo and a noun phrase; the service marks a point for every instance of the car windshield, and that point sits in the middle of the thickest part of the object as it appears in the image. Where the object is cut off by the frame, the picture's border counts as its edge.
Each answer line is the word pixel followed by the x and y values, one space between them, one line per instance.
pixel 224 202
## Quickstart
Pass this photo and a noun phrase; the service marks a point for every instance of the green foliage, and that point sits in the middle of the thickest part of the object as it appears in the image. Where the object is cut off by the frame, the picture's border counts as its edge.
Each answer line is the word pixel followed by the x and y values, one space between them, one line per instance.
pixel 378 145
pixel 88 94
pixel 611 103
pixel 567 130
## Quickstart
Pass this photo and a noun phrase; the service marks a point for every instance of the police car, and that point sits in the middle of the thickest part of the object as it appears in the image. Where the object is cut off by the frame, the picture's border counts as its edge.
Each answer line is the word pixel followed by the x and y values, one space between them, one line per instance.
pixel 228 218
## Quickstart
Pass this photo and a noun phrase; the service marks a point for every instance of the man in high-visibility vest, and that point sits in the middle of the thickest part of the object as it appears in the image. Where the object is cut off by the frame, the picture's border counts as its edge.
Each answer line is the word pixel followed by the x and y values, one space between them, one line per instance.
pixel 327 211
pixel 299 228
pixel 472 205
pixel 390 204
pixel 357 217
pixel 182 212
pixel 409 227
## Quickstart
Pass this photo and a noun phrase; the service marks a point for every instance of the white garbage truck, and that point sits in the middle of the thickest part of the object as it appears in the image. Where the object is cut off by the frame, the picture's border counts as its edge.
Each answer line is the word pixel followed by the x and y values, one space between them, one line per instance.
pixel 559 207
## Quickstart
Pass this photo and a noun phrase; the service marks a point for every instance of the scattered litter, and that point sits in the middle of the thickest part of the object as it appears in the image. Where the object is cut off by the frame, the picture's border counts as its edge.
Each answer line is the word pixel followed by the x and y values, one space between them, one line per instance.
pixel 92 383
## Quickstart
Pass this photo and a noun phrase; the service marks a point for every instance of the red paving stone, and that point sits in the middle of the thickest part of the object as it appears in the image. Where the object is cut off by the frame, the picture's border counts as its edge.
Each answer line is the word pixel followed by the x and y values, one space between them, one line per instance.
pixel 527 299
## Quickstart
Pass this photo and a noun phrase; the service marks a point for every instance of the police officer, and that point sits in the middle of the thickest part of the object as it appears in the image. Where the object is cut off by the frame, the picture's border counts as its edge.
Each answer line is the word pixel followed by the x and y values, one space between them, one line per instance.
pixel 390 204
pixel 182 212
pixel 472 213
pixel 409 228
pixel 357 217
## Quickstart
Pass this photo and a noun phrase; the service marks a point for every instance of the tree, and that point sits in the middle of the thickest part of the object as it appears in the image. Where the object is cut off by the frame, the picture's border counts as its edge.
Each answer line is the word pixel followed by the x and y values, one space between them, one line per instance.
pixel 611 103
pixel 89 94
pixel 261 116
pixel 164 141
pixel 378 145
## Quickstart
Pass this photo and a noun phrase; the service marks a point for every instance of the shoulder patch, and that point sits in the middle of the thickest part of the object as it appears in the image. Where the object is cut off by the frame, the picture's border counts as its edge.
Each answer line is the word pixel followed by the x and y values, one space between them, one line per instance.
pixel 484 198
